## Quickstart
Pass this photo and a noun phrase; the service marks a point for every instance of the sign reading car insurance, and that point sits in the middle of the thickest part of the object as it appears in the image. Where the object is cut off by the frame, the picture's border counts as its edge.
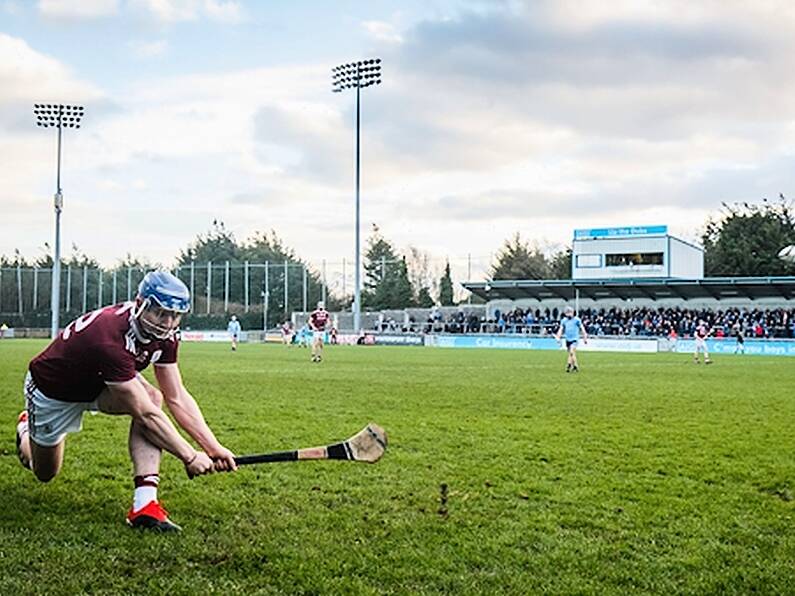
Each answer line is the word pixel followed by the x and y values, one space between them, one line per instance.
pixel 523 342
pixel 601 344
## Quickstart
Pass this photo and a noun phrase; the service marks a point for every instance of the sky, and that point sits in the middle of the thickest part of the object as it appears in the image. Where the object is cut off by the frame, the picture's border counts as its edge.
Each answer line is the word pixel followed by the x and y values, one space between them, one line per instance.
pixel 493 118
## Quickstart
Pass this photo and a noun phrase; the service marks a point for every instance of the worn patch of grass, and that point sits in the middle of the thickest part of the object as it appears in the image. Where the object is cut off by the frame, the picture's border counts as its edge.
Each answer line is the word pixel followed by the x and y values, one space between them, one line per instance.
pixel 642 474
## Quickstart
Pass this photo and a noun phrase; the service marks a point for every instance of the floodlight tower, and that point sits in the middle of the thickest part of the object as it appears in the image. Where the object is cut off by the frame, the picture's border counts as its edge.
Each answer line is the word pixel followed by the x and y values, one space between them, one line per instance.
pixel 356 75
pixel 59 116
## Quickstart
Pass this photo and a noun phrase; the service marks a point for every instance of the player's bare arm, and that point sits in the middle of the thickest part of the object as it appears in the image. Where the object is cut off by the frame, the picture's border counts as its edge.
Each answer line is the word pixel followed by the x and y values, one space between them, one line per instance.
pixel 188 415
pixel 130 398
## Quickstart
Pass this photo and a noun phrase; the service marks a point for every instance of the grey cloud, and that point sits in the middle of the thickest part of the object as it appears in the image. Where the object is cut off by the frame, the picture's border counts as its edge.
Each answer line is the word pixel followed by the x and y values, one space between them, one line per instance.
pixel 726 184
pixel 506 47
pixel 320 158
pixel 622 80
pixel 702 192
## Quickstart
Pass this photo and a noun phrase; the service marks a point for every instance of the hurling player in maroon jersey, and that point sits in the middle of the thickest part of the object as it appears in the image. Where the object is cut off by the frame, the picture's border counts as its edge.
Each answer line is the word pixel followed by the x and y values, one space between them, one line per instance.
pixel 318 320
pixel 94 364
pixel 701 333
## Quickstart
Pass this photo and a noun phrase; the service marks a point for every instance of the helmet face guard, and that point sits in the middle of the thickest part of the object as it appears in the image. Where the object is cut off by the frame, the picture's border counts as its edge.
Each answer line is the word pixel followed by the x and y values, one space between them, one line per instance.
pixel 163 299
pixel 156 321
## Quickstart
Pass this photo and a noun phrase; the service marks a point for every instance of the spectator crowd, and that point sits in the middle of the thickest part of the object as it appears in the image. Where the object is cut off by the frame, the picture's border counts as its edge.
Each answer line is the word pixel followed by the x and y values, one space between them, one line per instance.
pixel 639 321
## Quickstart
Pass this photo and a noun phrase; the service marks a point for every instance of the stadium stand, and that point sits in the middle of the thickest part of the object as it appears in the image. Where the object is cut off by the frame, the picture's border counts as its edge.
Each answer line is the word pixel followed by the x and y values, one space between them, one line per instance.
pixel 651 322
pixel 611 320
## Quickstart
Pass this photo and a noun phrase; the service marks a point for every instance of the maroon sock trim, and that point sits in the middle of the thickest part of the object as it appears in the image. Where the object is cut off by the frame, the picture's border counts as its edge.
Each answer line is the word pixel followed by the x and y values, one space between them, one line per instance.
pixel 148 480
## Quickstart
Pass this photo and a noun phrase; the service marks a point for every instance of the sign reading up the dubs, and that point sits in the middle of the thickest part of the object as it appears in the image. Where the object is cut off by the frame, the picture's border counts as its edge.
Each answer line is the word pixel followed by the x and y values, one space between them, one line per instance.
pixel 620 232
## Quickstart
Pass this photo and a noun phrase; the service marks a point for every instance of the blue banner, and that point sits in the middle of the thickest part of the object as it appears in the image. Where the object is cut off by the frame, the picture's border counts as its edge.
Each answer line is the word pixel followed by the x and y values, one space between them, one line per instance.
pixel 507 342
pixel 620 232
pixel 398 340
pixel 758 347
pixel 525 342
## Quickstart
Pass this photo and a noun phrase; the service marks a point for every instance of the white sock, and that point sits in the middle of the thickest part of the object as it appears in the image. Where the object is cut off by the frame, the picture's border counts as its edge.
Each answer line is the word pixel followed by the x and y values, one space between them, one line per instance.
pixel 145 494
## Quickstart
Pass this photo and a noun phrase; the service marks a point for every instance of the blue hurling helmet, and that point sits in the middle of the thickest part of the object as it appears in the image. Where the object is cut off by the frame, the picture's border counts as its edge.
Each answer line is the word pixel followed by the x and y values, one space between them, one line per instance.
pixel 161 288
pixel 165 289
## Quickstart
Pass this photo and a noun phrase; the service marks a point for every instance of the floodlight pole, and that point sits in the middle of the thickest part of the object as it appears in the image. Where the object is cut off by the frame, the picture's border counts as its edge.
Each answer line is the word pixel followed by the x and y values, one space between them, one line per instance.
pixel 357 74
pixel 56 263
pixel 57 115
pixel 357 280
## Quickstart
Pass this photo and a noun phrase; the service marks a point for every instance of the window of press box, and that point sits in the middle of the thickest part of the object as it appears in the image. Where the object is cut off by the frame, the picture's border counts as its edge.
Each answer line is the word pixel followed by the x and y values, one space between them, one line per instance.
pixel 643 258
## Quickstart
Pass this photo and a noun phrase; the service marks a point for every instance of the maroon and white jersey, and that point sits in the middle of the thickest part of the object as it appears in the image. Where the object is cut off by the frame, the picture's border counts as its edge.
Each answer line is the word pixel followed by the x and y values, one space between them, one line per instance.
pixel 99 347
pixel 319 319
pixel 702 332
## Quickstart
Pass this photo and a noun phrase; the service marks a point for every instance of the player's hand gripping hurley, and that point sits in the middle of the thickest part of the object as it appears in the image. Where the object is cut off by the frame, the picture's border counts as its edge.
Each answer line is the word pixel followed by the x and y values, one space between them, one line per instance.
pixel 368 445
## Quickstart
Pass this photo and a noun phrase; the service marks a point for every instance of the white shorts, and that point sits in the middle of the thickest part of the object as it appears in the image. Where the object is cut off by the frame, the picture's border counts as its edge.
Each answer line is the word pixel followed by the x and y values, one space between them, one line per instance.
pixel 318 335
pixel 701 345
pixel 49 420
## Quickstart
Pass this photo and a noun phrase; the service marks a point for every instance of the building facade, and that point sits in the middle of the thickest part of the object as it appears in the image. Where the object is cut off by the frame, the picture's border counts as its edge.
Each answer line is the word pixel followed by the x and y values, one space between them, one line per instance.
pixel 635 252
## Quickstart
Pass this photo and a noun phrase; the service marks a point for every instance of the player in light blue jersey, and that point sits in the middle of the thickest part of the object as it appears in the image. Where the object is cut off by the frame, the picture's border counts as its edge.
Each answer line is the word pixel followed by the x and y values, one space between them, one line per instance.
pixel 570 328
pixel 304 336
pixel 233 329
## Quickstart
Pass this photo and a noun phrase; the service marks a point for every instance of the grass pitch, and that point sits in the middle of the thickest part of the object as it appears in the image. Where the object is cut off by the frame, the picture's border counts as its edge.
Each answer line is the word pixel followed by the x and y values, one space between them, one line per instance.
pixel 642 474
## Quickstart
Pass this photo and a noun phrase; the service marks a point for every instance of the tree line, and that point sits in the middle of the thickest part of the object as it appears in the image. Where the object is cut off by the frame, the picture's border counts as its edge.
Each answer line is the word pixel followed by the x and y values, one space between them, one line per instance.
pixel 740 240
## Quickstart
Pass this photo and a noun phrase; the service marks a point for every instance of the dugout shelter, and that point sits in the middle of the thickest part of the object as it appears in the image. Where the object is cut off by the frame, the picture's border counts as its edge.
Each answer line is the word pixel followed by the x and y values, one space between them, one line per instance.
pixel 713 292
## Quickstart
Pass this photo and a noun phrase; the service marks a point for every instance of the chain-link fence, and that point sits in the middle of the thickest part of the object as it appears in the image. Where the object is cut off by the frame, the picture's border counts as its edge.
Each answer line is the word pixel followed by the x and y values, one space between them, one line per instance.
pixel 258 293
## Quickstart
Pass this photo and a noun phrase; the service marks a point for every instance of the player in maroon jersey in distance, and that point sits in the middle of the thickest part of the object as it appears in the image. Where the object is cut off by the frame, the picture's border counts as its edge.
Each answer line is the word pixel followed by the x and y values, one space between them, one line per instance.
pixel 287 333
pixel 701 334
pixel 318 320
pixel 94 364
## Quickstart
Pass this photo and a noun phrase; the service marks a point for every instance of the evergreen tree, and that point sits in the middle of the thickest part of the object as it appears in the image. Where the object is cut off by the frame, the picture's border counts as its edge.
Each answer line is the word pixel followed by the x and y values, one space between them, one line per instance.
pixel 446 287
pixel 402 295
pixel 424 298
pixel 268 247
pixel 518 260
pixel 386 280
pixel 560 264
pixel 745 240
pixel 219 246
